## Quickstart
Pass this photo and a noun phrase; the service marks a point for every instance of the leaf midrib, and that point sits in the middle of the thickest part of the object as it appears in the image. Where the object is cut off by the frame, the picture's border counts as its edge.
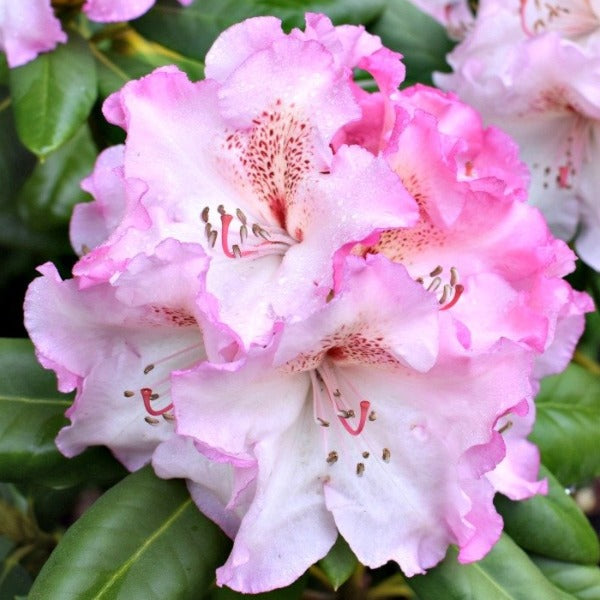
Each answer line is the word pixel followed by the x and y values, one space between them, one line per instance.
pixel 43 401
pixel 147 543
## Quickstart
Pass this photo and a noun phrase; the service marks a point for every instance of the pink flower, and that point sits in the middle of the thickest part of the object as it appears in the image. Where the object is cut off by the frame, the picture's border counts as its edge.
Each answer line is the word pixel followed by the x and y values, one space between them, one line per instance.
pixel 455 15
pixel 28 27
pixel 339 301
pixel 534 70
pixel 247 170
pixel 355 424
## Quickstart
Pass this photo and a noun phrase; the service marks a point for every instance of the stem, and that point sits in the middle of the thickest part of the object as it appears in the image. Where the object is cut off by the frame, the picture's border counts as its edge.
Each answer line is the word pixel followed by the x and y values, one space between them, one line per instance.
pixel 109 64
pixel 586 362
pixel 5 103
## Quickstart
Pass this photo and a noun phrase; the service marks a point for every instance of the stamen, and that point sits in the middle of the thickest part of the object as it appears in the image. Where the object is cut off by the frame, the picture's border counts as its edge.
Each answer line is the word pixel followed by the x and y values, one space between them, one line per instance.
pixel 437 271
pixel 154 396
pixel 151 420
pixel 366 454
pixel 372 416
pixel 332 457
pixel 505 427
pixel 170 417
pixel 204 214
pixel 360 469
pixel 364 408
pixel 243 234
pixel 148 368
pixel 386 455
pixel 147 397
pixel 208 231
pixel 241 216
pixel 445 294
pixel 435 284
pixel 236 251
pixel 128 394
pixel 458 290
pixel 323 422
pixel 346 414
pixel 453 276
pixel 212 238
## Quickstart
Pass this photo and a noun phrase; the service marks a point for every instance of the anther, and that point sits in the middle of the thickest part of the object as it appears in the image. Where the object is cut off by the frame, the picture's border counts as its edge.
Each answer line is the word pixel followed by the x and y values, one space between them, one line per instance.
pixel 364 408
pixel 204 214
pixel 453 276
pixel 258 231
pixel 212 238
pixel 241 216
pixel 154 396
pixel 458 290
pixel 208 231
pixel 147 398
pixel 445 294
pixel 151 420
pixel 243 233
pixel 323 422
pixel 386 455
pixel 337 393
pixel 505 427
pixel 170 417
pixel 346 414
pixel 332 457
pixel 360 469
pixel 128 394
pixel 236 251
pixel 148 368
pixel 221 210
pixel 365 454
pixel 372 416
pixel 435 284
pixel 436 271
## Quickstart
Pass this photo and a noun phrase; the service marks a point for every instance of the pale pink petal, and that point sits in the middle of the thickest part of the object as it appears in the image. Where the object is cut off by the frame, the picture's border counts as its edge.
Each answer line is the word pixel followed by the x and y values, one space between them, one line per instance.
pixel 93 222
pixel 28 28
pixel 287 527
pixel 107 11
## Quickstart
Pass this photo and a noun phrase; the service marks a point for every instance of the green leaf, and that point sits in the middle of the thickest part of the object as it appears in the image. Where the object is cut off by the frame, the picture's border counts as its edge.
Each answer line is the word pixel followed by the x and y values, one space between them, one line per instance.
pixel 418 37
pixel 48 196
pixel 506 573
pixel 567 428
pixel 581 581
pixel 16 162
pixel 191 31
pixel 144 538
pixel 53 95
pixel 551 525
pixel 32 414
pixel 339 564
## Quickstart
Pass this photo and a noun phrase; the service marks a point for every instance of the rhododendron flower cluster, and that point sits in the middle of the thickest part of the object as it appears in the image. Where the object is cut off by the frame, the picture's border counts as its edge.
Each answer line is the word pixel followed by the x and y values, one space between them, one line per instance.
pixel 28 27
pixel 533 68
pixel 328 309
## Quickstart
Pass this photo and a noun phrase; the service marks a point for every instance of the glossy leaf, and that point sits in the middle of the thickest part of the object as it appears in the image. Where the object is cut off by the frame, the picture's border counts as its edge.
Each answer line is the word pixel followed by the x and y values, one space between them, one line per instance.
pixel 144 538
pixel 339 564
pixel 53 94
pixel 48 196
pixel 16 162
pixel 506 573
pixel 551 525
pixel 418 37
pixel 191 31
pixel 567 428
pixel 581 581
pixel 32 414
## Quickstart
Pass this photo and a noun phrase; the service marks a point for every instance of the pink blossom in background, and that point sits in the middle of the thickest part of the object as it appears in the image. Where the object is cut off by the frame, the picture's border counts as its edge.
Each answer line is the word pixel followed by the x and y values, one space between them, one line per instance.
pixel 455 15
pixel 327 309
pixel 28 27
pixel 535 72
